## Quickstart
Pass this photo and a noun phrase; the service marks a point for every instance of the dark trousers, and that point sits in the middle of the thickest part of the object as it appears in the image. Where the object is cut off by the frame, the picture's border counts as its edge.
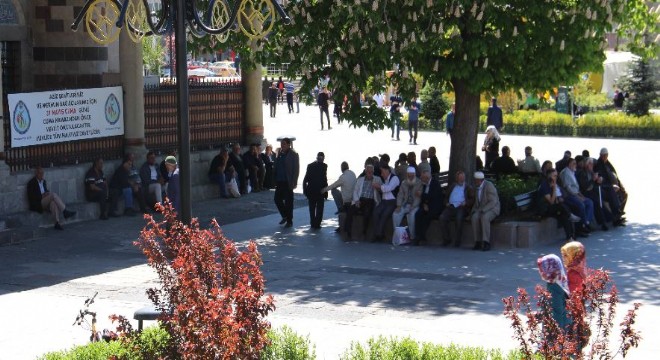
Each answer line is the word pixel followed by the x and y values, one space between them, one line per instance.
pixel 395 117
pixel 269 182
pixel 284 200
pixel 450 213
pixel 273 108
pixel 100 197
pixel 412 130
pixel 601 214
pixel 366 209
pixel 383 213
pixel 221 180
pixel 422 222
pixel 315 211
pixel 610 195
pixel 562 213
pixel 324 110
pixel 256 175
pixel 289 102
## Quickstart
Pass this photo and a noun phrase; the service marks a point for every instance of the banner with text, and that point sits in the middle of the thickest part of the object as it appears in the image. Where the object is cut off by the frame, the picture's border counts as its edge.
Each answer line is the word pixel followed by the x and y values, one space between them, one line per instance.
pixel 55 116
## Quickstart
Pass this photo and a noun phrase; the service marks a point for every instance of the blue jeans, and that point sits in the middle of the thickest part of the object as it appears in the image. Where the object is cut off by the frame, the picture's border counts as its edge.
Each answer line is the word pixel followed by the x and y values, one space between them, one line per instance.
pixel 221 180
pixel 584 208
pixel 128 197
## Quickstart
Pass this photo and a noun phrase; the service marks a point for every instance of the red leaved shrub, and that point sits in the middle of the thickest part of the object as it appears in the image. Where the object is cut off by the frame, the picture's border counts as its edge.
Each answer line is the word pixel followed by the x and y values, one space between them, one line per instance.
pixel 211 294
pixel 591 312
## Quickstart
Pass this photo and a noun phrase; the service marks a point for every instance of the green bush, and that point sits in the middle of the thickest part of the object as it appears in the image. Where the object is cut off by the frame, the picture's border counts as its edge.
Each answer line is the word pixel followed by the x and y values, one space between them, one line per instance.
pixel 618 124
pixel 509 186
pixel 383 348
pixel 285 344
pixel 92 351
pixel 531 122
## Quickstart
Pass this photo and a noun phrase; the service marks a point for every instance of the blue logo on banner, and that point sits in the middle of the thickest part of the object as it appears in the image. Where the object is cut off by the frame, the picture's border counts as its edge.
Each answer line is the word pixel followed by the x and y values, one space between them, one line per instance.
pixel 21 118
pixel 112 110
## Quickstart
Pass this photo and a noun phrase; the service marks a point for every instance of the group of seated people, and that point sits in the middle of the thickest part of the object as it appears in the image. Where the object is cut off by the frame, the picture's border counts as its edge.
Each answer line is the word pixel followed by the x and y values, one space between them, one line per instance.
pixel 580 190
pixel 238 174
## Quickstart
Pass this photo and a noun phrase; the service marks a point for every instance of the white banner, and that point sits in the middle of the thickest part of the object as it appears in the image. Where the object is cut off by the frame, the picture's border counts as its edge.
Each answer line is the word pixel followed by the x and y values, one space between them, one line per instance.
pixel 55 116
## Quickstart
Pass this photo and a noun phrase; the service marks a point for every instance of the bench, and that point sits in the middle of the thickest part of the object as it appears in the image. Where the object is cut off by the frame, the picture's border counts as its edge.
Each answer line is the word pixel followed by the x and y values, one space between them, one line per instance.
pixel 148 313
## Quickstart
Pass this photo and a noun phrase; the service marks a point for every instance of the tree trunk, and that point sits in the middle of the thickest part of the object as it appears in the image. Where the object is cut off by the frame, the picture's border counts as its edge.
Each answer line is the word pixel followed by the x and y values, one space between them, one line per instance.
pixel 464 135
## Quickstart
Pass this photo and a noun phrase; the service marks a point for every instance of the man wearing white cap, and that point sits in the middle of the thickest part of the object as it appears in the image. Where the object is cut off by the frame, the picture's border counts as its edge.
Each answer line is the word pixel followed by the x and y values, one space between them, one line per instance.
pixel 407 201
pixel 486 208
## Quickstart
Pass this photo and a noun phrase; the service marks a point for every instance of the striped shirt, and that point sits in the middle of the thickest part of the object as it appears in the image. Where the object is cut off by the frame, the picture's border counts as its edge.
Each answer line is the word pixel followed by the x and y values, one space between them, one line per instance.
pixel 289 87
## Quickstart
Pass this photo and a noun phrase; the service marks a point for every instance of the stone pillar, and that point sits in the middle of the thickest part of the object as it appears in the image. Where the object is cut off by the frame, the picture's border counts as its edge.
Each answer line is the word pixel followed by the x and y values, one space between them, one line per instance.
pixel 254 115
pixel 130 62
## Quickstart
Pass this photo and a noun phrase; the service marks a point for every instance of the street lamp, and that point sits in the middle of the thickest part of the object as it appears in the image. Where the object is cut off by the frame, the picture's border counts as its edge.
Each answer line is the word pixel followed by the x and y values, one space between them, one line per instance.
pixel 104 19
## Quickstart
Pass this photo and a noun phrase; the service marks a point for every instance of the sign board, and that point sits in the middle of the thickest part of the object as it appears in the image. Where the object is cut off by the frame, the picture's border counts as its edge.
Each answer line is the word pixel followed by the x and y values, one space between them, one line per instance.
pixel 65 115
pixel 563 104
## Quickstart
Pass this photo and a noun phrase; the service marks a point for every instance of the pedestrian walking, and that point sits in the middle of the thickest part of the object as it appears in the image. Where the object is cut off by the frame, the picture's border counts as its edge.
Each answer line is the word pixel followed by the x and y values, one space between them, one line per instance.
pixel 316 178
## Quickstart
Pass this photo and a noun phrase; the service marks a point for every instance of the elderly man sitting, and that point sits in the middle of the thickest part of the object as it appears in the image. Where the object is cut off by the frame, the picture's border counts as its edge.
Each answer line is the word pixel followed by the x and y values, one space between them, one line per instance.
pixel 486 208
pixel 407 201
pixel 344 197
pixel 40 198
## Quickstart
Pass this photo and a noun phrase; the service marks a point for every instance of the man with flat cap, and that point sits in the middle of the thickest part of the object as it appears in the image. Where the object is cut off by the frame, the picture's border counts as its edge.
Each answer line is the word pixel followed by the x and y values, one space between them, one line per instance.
pixel 287 168
pixel 486 208
pixel 314 182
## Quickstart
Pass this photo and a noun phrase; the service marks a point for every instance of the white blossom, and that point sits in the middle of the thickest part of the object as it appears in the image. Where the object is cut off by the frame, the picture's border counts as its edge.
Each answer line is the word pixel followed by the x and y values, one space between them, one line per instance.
pixel 572 20
pixel 480 16
pixel 381 38
pixel 473 11
pixel 435 66
pixel 422 37
pixel 588 13
pixel 412 37
pixel 291 42
pixel 342 53
pixel 498 34
pixel 440 29
pixel 357 2
pixel 404 74
pixel 415 17
pixel 309 18
pixel 464 57
pixel 433 28
pixel 586 33
pixel 457 12
pixel 393 49
pixel 374 6
pixel 621 7
pixel 338 65
pixel 389 36
pixel 552 40
pixel 561 46
pixel 403 29
pixel 515 31
pixel 292 56
pixel 594 15
pixel 429 3
pixel 356 70
pixel 486 63
pixel 351 50
pixel 476 63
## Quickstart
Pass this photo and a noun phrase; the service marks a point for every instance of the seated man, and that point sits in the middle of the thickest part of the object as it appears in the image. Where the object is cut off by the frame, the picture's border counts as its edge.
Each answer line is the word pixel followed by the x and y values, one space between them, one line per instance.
pixel 152 181
pixel 589 182
pixel 218 172
pixel 407 201
pixel 430 206
pixel 236 160
pixel 255 167
pixel 120 185
pixel 347 183
pixel 40 198
pixel 96 188
pixel 365 198
pixel 486 208
pixel 552 203
pixel 424 162
pixel 614 192
pixel 580 205
pixel 384 210
pixel 136 183
pixel 529 165
pixel 504 164
pixel 457 206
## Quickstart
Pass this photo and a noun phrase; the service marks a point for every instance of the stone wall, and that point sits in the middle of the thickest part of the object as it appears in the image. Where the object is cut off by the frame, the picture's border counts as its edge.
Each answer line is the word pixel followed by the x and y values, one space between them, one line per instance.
pixel 68 182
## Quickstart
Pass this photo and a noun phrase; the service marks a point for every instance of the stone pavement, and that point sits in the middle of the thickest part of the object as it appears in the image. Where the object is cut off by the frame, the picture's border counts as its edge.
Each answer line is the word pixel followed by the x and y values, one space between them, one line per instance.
pixel 334 291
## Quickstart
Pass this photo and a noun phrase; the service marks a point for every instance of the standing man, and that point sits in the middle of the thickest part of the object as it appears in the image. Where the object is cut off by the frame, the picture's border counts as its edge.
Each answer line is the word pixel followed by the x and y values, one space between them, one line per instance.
pixel 322 101
pixel 435 164
pixel 174 187
pixel 395 114
pixel 413 120
pixel 272 99
pixel 384 210
pixel 430 206
pixel 494 115
pixel 40 198
pixel 486 208
pixel 314 182
pixel 449 120
pixel 289 88
pixel 287 168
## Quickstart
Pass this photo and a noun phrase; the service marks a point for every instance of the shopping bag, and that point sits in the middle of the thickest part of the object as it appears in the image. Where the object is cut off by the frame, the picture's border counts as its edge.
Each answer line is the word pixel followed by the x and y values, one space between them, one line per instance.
pixel 400 236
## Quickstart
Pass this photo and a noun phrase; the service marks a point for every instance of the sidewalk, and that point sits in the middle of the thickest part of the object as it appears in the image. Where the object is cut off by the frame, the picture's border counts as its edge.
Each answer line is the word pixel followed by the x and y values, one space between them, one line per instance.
pixel 334 291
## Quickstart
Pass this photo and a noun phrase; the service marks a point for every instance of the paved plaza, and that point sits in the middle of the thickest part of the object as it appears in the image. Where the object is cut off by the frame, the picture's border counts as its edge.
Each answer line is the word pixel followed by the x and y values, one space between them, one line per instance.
pixel 334 291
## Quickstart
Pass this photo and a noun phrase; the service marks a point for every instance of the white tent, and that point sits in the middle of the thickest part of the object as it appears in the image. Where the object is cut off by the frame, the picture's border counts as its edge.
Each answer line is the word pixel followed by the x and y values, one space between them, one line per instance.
pixel 615 65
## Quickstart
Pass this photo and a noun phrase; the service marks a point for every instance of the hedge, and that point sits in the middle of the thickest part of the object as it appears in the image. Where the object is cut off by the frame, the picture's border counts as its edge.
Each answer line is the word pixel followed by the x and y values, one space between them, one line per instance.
pixel 600 124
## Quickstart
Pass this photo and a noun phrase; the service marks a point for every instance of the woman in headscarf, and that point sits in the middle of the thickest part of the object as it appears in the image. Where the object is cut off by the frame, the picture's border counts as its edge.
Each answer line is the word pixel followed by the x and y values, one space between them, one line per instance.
pixel 491 145
pixel 576 265
pixel 552 272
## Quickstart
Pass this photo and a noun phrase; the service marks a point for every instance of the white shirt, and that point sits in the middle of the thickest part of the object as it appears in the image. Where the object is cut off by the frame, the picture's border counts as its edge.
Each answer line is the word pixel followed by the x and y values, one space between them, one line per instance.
pixel 378 98
pixel 390 184
pixel 457 196
pixel 41 186
pixel 347 182
pixel 154 172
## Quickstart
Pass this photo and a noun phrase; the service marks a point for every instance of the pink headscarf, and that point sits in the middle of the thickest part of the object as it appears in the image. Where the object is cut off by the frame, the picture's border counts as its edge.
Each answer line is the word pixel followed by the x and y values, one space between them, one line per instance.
pixel 574 257
pixel 552 271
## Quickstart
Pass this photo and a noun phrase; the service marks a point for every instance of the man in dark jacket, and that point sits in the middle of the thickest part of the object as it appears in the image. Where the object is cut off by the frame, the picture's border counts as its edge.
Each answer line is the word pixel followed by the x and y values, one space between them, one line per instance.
pixel 120 185
pixel 322 101
pixel 287 168
pixel 272 99
pixel 458 203
pixel 504 165
pixel 40 198
pixel 236 160
pixel 255 167
pixel 494 115
pixel 316 178
pixel 430 207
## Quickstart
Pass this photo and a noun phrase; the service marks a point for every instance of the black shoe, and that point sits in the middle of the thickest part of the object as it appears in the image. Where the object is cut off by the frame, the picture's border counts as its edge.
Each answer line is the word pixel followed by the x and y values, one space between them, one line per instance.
pixel 282 221
pixel 58 226
pixel 486 246
pixel 68 214
pixel 288 224
pixel 477 245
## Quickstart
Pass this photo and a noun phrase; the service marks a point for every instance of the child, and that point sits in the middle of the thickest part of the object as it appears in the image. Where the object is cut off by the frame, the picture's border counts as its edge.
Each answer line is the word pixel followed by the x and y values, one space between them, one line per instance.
pixel 576 266
pixel 552 272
